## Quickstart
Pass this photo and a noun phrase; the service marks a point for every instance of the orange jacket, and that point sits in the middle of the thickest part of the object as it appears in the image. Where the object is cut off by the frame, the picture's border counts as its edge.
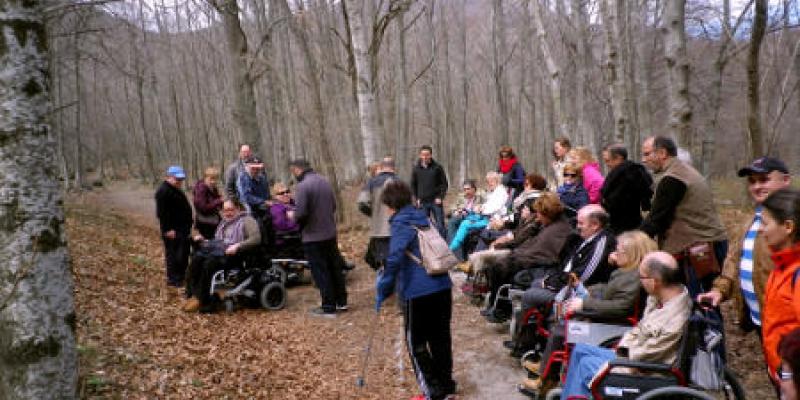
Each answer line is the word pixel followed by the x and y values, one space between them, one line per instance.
pixel 781 303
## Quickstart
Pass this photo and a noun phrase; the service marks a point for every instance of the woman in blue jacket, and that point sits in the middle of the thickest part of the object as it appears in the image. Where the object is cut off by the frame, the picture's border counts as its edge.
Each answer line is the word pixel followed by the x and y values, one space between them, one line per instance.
pixel 429 302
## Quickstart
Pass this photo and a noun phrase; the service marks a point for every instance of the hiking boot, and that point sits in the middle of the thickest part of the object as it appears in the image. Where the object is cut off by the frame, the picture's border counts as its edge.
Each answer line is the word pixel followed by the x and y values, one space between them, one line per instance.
pixel 323 312
pixel 531 366
pixel 530 387
pixel 191 304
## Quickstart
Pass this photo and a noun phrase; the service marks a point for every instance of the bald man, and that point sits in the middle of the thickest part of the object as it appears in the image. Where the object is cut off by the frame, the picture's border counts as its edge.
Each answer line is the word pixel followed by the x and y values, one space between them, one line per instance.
pixel 657 336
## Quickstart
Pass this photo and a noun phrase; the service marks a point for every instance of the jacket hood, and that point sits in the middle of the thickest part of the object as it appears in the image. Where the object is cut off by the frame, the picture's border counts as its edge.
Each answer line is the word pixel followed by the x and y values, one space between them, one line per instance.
pixel 410 215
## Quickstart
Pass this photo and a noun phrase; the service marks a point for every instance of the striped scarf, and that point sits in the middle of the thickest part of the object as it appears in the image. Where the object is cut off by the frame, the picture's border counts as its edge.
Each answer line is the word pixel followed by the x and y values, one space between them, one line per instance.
pixel 746 269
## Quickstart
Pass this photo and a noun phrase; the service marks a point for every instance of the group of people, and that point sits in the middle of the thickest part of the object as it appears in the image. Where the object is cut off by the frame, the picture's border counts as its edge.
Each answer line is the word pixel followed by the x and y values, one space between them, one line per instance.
pixel 648 229
pixel 232 227
pixel 592 242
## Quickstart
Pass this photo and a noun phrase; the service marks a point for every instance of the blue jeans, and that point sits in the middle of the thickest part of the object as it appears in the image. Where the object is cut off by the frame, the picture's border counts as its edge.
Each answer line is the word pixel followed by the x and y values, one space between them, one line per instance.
pixel 470 223
pixel 584 362
pixel 436 213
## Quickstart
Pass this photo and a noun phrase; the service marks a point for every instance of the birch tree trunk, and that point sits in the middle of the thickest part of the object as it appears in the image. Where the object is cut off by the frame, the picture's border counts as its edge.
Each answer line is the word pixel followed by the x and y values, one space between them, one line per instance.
pixel 755 134
pixel 38 358
pixel 245 109
pixel 674 33
pixel 614 69
pixel 552 69
pixel 371 132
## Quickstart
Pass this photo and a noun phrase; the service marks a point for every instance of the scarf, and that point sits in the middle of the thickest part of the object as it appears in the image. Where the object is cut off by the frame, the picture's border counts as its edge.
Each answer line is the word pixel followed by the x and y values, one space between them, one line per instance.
pixel 505 164
pixel 231 231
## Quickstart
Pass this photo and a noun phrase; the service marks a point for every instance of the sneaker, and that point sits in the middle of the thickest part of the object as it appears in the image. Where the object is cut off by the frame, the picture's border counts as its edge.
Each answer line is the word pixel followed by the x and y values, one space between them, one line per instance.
pixel 192 304
pixel 322 312
pixel 342 307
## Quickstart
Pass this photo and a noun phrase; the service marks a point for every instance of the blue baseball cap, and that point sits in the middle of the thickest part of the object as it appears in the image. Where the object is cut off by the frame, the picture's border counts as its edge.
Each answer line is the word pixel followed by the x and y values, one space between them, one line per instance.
pixel 176 171
pixel 763 165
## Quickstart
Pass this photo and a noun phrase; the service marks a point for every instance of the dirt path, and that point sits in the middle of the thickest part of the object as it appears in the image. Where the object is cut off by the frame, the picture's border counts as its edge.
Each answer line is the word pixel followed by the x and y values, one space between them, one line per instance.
pixel 303 357
pixel 483 368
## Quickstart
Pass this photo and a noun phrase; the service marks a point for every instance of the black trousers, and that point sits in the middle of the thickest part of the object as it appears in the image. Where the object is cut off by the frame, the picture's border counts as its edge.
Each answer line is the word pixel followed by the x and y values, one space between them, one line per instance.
pixel 176 257
pixel 326 267
pixel 202 269
pixel 427 329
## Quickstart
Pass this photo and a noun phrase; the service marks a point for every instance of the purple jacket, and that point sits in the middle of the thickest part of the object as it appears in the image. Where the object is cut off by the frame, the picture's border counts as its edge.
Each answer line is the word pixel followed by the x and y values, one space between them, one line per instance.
pixel 592 181
pixel 281 222
pixel 207 201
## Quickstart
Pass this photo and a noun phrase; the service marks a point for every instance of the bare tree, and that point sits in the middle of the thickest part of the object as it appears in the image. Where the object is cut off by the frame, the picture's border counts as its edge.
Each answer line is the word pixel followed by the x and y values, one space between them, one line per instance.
pixel 37 318
pixel 674 32
pixel 755 134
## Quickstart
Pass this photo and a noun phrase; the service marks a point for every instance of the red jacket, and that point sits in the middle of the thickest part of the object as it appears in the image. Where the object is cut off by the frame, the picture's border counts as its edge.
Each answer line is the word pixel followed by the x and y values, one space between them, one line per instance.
pixel 781 303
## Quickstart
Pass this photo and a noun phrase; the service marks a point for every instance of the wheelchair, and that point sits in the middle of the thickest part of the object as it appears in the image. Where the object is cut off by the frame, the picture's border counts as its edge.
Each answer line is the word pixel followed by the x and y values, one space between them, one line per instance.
pixel 252 283
pixel 652 380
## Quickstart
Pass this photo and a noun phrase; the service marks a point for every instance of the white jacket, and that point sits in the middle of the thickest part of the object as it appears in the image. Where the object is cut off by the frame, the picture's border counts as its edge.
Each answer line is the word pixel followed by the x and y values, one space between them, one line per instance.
pixel 496 202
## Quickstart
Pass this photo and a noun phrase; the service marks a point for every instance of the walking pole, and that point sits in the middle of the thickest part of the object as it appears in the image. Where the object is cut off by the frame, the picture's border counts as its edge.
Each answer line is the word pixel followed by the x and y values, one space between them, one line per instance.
pixel 361 381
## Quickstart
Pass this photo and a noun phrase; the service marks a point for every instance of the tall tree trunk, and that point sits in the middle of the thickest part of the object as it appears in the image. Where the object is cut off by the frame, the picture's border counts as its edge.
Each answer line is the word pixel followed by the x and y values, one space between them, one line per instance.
pixel 499 53
pixel 38 357
pixel 78 115
pixel 463 166
pixel 754 130
pixel 553 71
pixel 401 152
pixel 674 32
pixel 371 132
pixel 244 113
pixel 615 71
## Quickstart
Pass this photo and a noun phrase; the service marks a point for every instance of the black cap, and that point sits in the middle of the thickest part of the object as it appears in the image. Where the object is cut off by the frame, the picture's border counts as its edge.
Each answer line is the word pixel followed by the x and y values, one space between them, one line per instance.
pixel 763 165
pixel 253 160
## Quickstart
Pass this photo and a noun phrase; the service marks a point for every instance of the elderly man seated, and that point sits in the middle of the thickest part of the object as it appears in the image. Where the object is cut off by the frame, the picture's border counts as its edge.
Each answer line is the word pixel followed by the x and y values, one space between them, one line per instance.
pixel 657 336
pixel 237 233
pixel 588 261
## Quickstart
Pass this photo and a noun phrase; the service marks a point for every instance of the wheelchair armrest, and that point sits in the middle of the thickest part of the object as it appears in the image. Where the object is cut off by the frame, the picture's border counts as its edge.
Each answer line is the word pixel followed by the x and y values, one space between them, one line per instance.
pixel 599 318
pixel 640 365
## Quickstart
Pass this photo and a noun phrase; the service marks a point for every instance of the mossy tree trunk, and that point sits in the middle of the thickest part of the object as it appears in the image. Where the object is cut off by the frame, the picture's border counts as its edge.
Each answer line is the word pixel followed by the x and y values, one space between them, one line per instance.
pixel 37 322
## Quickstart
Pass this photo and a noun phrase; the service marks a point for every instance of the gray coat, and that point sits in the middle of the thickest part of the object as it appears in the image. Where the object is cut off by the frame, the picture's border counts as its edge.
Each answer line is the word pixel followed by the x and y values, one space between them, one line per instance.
pixel 617 298
pixel 232 173
pixel 315 207
pixel 369 203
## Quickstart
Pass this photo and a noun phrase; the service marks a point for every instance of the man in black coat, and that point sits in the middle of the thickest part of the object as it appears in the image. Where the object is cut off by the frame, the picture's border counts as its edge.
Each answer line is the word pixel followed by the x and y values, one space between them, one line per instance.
pixel 429 185
pixel 627 189
pixel 175 219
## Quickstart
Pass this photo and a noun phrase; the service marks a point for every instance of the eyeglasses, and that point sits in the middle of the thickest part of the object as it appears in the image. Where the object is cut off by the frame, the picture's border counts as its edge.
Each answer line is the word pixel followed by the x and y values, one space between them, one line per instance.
pixel 646 153
pixel 783 375
pixel 567 175
pixel 283 192
pixel 642 277
pixel 228 209
pixel 467 188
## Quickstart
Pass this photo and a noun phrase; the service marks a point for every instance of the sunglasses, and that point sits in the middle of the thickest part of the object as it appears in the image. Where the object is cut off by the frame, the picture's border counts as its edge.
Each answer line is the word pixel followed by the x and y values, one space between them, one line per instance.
pixel 783 375
pixel 570 175
pixel 283 192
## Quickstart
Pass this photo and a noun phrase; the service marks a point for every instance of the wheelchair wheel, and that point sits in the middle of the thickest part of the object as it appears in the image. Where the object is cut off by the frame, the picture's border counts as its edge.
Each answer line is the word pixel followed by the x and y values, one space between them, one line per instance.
pixel 675 392
pixel 273 296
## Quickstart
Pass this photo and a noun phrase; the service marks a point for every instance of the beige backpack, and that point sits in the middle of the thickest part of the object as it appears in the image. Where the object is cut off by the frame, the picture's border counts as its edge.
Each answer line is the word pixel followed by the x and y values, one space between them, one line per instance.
pixel 437 259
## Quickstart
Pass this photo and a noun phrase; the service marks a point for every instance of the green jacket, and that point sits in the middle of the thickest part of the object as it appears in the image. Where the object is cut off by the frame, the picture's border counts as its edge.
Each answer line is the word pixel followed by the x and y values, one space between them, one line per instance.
pixel 618 297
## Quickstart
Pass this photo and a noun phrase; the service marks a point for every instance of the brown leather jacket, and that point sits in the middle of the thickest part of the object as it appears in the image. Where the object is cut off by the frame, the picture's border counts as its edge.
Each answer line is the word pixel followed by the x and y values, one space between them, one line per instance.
pixel 728 281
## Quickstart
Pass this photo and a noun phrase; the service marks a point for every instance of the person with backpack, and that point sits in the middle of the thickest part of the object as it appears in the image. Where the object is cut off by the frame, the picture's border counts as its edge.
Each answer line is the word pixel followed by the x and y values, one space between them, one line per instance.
pixel 781 230
pixel 429 303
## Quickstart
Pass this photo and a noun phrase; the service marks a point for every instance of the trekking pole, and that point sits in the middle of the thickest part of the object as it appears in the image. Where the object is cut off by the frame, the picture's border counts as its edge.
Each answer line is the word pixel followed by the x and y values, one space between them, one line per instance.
pixel 361 381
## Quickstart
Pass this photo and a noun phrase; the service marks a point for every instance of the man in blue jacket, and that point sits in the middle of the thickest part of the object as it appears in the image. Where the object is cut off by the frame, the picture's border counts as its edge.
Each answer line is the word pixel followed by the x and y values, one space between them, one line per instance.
pixel 428 299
